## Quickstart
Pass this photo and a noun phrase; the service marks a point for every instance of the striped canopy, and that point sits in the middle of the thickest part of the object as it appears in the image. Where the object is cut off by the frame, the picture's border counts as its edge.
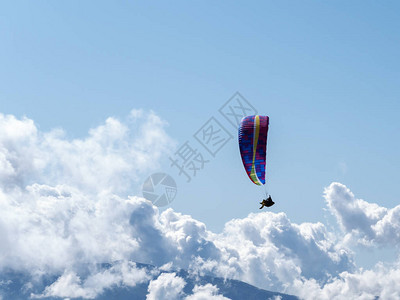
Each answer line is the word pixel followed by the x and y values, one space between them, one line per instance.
pixel 253 131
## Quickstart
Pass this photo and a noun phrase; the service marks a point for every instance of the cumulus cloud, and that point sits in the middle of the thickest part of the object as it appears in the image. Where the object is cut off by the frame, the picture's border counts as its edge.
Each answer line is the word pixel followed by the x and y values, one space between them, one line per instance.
pixel 63 202
pixel 380 282
pixel 271 250
pixel 205 292
pixel 110 158
pixel 67 208
pixel 363 222
pixel 170 286
pixel 70 284
pixel 59 198
pixel 167 286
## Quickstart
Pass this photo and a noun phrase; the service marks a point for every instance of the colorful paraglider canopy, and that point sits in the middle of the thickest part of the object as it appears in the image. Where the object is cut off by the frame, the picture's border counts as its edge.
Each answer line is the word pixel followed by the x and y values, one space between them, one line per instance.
pixel 253 131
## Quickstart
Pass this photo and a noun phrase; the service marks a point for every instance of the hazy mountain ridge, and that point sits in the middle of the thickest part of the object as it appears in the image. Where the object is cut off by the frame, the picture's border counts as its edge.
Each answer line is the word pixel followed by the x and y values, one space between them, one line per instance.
pixel 21 286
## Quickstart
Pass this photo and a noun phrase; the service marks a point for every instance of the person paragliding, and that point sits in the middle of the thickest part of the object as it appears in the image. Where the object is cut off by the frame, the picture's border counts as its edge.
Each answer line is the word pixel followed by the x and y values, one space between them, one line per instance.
pixel 253 132
pixel 267 202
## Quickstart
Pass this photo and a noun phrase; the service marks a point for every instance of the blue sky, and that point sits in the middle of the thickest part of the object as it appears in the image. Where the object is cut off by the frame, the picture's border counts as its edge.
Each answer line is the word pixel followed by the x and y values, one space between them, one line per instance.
pixel 327 74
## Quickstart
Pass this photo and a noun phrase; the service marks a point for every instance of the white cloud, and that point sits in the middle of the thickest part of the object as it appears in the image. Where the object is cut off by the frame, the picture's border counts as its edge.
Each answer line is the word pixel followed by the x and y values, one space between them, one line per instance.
pixel 68 285
pixel 298 248
pixel 205 292
pixel 167 286
pixel 263 249
pixel 382 282
pixel 50 228
pixel 109 159
pixel 363 222
pixel 65 209
pixel 72 286
pixel 63 203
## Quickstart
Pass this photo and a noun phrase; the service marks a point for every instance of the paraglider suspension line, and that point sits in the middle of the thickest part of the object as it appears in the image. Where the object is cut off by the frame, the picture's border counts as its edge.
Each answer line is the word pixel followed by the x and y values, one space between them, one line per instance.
pixel 266 191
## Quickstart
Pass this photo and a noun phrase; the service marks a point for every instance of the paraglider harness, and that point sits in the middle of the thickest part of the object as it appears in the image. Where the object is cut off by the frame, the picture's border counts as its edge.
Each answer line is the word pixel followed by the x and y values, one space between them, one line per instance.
pixel 267 202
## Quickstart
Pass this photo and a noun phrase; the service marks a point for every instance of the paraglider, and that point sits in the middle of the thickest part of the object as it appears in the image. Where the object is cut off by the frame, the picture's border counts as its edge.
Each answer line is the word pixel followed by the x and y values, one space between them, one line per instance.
pixel 253 132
